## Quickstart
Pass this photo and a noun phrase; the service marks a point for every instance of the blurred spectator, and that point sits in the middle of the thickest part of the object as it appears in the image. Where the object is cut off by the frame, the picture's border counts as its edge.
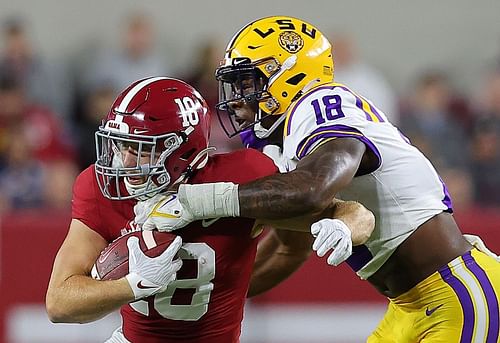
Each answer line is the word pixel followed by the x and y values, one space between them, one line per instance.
pixel 21 177
pixel 96 107
pixel 461 187
pixel 486 164
pixel 28 183
pixel 42 84
pixel 137 58
pixel 207 59
pixel 352 71
pixel 432 126
pixel 102 77
pixel 489 102
pixel 57 190
pixel 486 144
pixel 31 140
pixel 39 125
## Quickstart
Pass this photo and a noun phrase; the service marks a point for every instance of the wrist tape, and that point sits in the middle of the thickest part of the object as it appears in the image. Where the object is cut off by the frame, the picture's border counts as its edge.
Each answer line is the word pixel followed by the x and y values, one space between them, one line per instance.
pixel 210 200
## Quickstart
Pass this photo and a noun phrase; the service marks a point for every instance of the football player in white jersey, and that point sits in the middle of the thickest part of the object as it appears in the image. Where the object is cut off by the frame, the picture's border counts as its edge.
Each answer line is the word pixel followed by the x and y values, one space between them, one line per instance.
pixel 277 74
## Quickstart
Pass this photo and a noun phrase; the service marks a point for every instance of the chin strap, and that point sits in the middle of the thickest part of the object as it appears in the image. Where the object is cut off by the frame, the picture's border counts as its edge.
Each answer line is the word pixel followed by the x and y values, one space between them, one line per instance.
pixel 198 162
pixel 309 86
pixel 201 158
pixel 259 130
pixel 262 133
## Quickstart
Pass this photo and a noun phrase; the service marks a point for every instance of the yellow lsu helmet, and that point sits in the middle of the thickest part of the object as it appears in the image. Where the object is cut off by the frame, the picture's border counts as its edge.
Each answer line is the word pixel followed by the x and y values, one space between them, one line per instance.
pixel 277 58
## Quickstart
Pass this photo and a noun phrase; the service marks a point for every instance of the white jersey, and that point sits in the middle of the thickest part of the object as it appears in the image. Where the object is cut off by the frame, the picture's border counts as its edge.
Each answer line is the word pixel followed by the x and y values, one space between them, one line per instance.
pixel 403 192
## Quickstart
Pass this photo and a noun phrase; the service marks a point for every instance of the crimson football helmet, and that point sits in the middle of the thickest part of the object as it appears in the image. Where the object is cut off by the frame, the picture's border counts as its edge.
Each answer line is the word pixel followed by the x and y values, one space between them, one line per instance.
pixel 162 121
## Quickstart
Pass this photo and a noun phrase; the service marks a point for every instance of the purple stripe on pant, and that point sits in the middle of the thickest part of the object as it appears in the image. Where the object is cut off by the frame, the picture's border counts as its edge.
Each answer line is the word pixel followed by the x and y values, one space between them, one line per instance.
pixel 465 301
pixel 489 294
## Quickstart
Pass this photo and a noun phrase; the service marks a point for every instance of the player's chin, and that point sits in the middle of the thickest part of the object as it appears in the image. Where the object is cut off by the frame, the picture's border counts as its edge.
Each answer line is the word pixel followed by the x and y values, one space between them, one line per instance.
pixel 245 126
pixel 242 123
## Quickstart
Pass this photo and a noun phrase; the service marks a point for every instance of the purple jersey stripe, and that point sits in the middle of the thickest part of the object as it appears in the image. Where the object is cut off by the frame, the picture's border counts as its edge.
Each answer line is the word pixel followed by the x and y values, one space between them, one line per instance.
pixel 447 198
pixel 335 131
pixel 489 294
pixel 465 301
pixel 406 139
pixel 359 258
pixel 374 110
pixel 359 104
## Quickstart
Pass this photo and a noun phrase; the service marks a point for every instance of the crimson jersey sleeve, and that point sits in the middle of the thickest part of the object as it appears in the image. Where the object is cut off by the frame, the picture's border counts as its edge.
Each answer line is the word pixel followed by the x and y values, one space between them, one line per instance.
pixel 106 217
pixel 85 206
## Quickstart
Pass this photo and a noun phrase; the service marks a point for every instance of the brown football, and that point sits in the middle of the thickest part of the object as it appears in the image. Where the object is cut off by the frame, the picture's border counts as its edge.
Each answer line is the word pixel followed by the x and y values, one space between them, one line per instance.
pixel 112 263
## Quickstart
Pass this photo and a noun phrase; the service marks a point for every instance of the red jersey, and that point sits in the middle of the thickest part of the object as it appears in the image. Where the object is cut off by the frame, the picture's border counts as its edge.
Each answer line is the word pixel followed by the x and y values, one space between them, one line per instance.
pixel 205 303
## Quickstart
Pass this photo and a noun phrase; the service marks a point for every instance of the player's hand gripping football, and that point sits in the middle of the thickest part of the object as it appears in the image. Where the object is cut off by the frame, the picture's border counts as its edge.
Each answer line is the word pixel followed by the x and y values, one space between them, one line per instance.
pixel 151 275
pixel 166 214
pixel 332 234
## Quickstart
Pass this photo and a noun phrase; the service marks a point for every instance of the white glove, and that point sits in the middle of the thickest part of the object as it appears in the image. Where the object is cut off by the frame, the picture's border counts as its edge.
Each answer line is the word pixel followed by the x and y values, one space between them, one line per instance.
pixel 478 243
pixel 143 208
pixel 332 234
pixel 167 214
pixel 150 275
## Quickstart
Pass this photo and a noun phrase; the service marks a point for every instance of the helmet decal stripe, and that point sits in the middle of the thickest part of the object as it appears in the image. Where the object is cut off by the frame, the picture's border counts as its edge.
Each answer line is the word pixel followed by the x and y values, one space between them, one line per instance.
pixel 136 89
pixel 235 37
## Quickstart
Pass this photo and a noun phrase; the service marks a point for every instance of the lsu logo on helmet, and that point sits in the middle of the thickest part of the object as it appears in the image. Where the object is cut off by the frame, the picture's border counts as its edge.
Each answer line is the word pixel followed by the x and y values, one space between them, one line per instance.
pixel 291 41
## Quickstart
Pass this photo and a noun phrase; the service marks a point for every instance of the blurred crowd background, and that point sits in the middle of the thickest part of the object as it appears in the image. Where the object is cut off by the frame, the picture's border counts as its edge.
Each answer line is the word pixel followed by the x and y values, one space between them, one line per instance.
pixel 433 68
pixel 50 111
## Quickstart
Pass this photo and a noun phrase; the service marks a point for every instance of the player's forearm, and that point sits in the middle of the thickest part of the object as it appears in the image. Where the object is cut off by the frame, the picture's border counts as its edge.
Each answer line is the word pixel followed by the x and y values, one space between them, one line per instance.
pixel 310 188
pixel 81 299
pixel 279 254
pixel 358 219
pixel 279 196
pixel 265 249
pixel 273 271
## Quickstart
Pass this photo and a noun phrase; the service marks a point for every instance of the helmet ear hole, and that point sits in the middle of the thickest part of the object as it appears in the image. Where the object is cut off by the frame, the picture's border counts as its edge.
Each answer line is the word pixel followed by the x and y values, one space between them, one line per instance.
pixel 295 80
pixel 188 154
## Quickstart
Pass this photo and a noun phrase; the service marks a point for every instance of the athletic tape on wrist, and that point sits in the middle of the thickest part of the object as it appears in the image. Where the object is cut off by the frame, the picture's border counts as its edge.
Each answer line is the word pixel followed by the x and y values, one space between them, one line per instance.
pixel 210 200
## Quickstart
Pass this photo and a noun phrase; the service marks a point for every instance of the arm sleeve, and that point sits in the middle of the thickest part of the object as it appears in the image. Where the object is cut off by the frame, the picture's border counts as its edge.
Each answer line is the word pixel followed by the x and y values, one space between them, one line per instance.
pixel 85 203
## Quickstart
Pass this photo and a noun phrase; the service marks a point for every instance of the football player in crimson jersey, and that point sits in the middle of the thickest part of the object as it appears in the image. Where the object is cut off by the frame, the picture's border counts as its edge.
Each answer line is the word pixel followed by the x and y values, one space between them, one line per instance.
pixel 156 136
pixel 277 74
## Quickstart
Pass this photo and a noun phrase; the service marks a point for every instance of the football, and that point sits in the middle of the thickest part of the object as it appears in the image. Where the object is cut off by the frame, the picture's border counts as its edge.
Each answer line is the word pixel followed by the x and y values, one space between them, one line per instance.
pixel 112 263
